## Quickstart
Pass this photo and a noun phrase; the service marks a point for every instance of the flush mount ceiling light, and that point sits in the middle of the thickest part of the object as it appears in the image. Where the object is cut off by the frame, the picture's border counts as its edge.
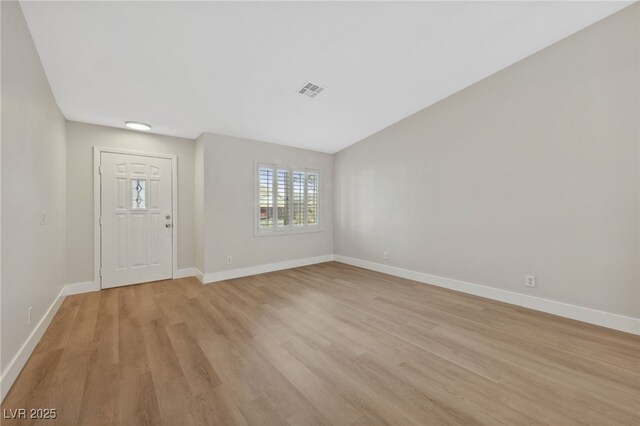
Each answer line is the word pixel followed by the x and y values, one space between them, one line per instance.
pixel 311 90
pixel 137 126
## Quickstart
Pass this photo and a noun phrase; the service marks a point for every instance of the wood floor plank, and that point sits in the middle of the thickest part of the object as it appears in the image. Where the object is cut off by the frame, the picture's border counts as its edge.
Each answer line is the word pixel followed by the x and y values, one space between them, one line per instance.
pixel 319 345
pixel 137 404
pixel 100 400
pixel 71 373
pixel 163 361
pixel 198 372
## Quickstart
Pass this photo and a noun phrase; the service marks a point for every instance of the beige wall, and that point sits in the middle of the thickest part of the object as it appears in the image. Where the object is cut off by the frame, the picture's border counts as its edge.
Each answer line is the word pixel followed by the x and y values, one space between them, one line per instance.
pixel 229 212
pixel 81 138
pixel 534 170
pixel 33 181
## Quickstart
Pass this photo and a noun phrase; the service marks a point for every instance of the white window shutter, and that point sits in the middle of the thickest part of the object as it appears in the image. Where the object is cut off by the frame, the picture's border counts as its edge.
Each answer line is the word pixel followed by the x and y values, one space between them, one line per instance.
pixel 283 190
pixel 266 218
pixel 312 199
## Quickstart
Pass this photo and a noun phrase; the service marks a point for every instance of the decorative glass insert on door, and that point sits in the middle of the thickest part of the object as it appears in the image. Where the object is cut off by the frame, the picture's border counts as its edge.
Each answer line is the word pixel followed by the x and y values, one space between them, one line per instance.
pixel 138 193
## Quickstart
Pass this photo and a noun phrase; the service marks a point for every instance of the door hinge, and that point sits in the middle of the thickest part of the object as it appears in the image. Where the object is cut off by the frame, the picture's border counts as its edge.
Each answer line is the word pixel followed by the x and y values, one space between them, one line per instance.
pixel 99 170
pixel 100 221
pixel 100 272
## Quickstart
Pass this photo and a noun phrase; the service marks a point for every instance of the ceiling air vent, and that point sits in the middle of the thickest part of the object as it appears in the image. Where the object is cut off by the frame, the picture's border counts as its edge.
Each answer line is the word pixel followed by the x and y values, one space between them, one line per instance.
pixel 311 90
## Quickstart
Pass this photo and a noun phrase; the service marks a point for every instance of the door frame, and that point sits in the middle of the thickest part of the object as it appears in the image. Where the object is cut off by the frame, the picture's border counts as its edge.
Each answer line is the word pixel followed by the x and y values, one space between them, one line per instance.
pixel 97 207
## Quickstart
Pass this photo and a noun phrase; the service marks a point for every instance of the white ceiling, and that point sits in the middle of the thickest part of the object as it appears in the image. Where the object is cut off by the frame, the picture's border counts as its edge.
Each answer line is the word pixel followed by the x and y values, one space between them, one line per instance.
pixel 234 68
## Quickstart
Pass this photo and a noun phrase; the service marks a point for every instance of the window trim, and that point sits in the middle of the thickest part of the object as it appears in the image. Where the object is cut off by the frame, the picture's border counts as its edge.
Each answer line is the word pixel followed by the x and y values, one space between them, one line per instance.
pixel 290 229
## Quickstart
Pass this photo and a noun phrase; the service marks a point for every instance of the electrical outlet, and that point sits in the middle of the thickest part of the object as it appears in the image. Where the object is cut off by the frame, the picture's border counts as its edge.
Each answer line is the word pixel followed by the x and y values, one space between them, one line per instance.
pixel 385 255
pixel 229 260
pixel 530 281
pixel 29 315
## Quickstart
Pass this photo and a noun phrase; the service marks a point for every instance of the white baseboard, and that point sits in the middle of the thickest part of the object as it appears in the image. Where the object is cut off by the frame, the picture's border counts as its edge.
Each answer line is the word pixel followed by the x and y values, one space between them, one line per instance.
pixel 261 269
pixel 184 273
pixel 78 288
pixel 199 275
pixel 10 374
pixel 592 316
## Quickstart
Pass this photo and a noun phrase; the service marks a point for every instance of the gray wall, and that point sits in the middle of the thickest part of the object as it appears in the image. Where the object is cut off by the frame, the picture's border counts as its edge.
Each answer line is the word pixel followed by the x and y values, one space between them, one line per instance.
pixel 80 141
pixel 33 181
pixel 533 170
pixel 229 214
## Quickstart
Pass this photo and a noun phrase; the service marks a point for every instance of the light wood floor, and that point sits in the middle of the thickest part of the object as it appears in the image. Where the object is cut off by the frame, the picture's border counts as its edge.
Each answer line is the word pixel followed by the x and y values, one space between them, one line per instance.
pixel 323 344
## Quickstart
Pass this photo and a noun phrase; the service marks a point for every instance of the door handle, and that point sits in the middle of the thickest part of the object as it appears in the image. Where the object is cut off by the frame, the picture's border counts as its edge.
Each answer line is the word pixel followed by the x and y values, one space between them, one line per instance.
pixel 168 225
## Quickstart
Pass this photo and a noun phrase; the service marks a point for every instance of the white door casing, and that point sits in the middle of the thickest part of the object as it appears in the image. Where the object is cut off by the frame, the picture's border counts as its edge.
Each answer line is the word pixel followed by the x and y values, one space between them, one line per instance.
pixel 136 218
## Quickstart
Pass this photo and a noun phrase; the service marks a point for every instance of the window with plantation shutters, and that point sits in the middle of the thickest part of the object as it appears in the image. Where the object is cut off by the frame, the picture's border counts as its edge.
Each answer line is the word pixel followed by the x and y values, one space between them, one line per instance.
pixel 283 214
pixel 298 198
pixel 312 198
pixel 287 199
pixel 265 196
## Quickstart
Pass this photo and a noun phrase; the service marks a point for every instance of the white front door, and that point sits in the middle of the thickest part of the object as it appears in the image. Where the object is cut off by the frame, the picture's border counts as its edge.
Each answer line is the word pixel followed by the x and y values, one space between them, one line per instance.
pixel 136 217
